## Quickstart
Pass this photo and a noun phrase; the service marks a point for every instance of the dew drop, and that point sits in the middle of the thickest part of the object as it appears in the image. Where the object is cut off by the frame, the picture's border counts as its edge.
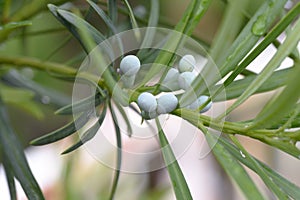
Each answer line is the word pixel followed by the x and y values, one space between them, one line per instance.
pixel 242 154
pixel 229 58
pixel 289 4
pixel 259 27
pixel 298 145
pixel 140 11
pixel 28 73
pixel 45 99
pixel 275 138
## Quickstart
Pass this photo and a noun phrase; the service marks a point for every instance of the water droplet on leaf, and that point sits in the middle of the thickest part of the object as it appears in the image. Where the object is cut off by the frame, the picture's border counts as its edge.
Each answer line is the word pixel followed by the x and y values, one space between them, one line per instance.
pixel 45 99
pixel 298 145
pixel 242 154
pixel 259 27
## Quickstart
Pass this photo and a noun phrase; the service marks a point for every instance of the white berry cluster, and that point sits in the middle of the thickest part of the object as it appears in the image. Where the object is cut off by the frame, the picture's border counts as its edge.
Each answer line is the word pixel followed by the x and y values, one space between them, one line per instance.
pixel 152 107
pixel 182 78
pixel 174 80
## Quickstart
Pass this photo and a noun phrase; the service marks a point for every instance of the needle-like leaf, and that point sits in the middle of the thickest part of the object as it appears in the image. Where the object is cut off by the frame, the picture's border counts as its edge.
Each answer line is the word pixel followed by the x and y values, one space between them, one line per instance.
pixel 180 186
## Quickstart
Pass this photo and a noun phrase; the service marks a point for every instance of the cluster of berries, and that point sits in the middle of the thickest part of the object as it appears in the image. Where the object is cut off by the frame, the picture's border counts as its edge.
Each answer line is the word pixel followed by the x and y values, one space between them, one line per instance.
pixel 175 79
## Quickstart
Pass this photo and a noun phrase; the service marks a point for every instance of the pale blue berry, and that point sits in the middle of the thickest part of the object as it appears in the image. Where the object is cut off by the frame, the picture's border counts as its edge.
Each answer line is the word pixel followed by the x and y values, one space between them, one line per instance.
pixel 170 82
pixel 200 101
pixel 185 79
pixel 186 63
pixel 147 102
pixel 166 103
pixel 130 65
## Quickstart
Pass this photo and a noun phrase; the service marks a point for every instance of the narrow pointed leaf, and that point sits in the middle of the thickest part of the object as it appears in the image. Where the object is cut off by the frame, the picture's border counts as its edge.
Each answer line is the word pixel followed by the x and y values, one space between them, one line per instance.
pixel 89 134
pixel 15 156
pixel 18 80
pixel 245 41
pixel 234 169
pixel 78 22
pixel 108 22
pixel 62 132
pixel 281 105
pixel 289 44
pixel 180 186
pixel 119 153
pixel 88 103
pixel 72 22
pixel 289 188
pixel 15 25
pixel 152 22
pixel 10 179
pixel 126 119
pixel 133 20
pixel 228 31
pixel 113 10
pixel 236 88
pixel 269 38
pixel 192 15
pixel 103 16
pixel 260 171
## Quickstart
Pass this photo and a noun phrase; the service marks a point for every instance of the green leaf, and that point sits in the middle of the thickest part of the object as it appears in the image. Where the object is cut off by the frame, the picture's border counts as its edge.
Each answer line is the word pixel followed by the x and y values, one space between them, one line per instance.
pixel 113 10
pixel 119 153
pixel 281 105
pixel 260 171
pixel 283 143
pixel 107 21
pixel 284 50
pixel 89 134
pixel 62 132
pixel 10 179
pixel 152 22
pixel 233 168
pixel 133 20
pixel 15 156
pixel 292 120
pixel 236 53
pixel 103 16
pixel 22 99
pixel 289 188
pixel 231 25
pixel 18 80
pixel 85 104
pixel 186 25
pixel 15 25
pixel 269 38
pixel 126 119
pixel 180 186
pixel 236 88
pixel 72 22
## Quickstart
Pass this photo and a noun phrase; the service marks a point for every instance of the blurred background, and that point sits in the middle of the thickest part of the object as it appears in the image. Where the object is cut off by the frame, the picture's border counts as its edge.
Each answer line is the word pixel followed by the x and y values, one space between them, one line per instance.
pixel 78 175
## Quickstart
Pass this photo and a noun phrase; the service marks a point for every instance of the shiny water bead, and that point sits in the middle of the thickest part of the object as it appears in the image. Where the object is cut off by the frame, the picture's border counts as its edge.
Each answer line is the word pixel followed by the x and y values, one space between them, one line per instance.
pixel 130 65
pixel 200 101
pixel 170 82
pixel 166 103
pixel 187 63
pixel 185 79
pixel 147 102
